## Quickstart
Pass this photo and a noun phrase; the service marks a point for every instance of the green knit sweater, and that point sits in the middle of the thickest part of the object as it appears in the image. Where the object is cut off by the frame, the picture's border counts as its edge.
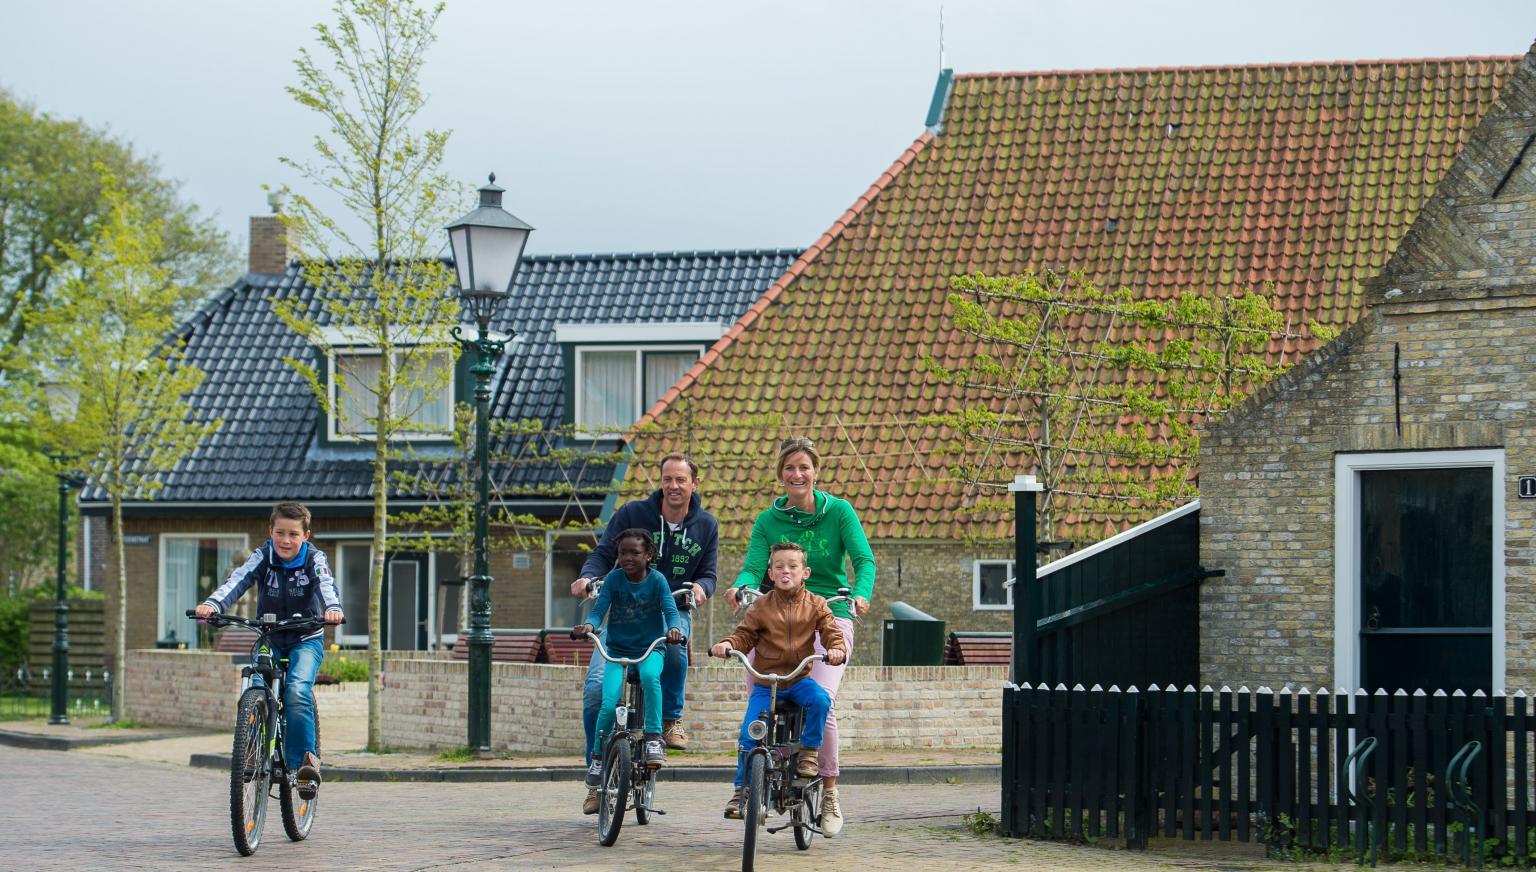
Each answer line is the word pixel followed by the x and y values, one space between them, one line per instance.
pixel 831 537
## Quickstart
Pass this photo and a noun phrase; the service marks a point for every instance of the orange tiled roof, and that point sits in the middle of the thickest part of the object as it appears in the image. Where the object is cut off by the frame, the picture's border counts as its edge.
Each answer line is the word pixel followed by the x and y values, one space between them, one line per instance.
pixel 1302 177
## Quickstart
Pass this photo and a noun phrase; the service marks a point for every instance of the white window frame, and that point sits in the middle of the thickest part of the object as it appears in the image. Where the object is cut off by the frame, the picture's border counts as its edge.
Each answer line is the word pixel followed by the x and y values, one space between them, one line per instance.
pixel 976 603
pixel 639 352
pixel 355 617
pixel 160 615
pixel 1346 547
pixel 334 398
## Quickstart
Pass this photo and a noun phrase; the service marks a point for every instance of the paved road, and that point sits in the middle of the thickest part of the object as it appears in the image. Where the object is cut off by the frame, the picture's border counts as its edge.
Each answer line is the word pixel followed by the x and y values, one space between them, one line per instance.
pixel 76 810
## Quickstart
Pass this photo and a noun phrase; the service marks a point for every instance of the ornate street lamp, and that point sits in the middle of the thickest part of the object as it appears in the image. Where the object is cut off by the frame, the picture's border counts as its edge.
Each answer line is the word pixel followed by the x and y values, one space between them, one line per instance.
pixel 62 403
pixel 487 247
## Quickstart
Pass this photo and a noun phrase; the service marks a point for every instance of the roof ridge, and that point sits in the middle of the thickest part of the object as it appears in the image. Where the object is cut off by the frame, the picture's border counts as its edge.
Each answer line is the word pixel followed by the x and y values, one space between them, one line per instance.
pixel 794 271
pixel 1088 71
pixel 677 253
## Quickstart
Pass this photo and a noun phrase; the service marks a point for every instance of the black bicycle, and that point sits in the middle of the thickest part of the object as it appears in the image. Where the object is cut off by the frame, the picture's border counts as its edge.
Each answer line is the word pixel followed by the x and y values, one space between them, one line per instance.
pixel 256 761
pixel 770 783
pixel 626 778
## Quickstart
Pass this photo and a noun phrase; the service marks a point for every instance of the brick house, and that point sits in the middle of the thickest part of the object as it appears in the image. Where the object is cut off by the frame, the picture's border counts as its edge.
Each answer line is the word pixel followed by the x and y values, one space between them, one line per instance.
pixel 1374 508
pixel 1300 179
pixel 599 337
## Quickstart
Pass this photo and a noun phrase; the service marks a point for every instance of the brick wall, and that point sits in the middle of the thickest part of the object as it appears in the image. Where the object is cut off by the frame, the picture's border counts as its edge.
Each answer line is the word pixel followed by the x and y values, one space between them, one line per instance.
pixel 1468 369
pixel 537 708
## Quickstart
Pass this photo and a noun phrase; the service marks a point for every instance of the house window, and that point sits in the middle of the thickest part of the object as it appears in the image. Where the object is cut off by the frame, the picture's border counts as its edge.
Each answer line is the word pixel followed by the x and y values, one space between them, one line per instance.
pixel 352 565
pixel 430 413
pixel 192 566
pixel 990 590
pixel 614 386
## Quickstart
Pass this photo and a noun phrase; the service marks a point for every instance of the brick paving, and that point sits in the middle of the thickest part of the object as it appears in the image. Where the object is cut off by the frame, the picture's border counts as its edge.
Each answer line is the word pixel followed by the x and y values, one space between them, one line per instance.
pixel 77 810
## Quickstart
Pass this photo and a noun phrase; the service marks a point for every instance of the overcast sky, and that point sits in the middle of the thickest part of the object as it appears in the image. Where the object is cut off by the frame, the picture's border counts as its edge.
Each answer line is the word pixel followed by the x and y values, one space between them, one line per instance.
pixel 640 125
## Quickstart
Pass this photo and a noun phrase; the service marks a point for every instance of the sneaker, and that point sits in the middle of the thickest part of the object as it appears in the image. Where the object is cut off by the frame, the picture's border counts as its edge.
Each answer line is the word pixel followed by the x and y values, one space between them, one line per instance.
pixel 673 734
pixel 307 779
pixel 831 814
pixel 595 775
pixel 655 756
pixel 806 767
pixel 733 806
pixel 589 805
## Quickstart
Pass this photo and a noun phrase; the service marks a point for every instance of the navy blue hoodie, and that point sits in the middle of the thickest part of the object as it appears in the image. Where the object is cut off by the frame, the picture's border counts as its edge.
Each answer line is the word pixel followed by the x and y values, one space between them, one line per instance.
pixel 684 556
pixel 303 586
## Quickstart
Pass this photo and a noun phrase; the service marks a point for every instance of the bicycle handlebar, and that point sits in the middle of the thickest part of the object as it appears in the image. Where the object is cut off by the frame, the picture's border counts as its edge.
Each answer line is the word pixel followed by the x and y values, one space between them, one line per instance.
pixel 626 661
pixel 750 595
pixel 219 619
pixel 774 677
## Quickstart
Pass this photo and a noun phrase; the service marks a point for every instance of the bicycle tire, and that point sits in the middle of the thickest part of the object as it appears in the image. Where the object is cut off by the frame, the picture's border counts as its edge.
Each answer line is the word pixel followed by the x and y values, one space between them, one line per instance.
pixel 298 812
pixel 807 813
pixel 250 772
pixel 615 791
pixel 754 807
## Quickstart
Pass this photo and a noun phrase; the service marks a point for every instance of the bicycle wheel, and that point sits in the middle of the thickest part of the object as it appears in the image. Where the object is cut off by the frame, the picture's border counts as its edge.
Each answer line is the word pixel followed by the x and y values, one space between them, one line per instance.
pixel 298 812
pixel 610 810
pixel 645 797
pixel 754 807
pixel 807 813
pixel 250 772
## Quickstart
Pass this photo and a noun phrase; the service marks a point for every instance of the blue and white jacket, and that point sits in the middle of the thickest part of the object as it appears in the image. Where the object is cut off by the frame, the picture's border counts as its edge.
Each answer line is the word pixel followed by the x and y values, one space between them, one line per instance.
pixel 304 586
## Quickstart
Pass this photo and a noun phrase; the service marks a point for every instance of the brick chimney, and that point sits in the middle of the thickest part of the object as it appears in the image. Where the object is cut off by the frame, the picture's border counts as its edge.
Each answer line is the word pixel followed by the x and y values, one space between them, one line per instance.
pixel 269 240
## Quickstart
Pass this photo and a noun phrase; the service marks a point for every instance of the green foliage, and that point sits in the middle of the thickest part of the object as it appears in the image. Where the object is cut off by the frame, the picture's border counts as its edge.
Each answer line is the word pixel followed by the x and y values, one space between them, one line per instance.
pixel 980 823
pixel 15 606
pixel 28 490
pixel 54 202
pixel 1097 391
pixel 342 668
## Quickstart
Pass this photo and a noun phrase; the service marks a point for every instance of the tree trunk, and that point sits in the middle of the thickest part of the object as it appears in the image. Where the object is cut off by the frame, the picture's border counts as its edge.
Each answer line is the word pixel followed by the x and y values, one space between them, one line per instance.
pixel 375 598
pixel 120 654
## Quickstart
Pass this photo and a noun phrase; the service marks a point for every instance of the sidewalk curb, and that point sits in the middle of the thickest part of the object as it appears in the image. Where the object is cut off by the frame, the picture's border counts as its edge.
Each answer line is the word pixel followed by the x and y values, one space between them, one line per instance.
pixel 43 742
pixel 718 774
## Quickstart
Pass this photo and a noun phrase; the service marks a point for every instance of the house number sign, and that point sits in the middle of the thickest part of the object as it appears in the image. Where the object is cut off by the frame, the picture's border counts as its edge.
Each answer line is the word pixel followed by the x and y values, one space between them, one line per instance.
pixel 1528 487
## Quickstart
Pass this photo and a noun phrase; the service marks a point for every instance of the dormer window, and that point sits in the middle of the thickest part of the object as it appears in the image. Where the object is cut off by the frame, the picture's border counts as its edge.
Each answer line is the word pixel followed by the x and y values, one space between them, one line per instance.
pixel 617 371
pixel 430 414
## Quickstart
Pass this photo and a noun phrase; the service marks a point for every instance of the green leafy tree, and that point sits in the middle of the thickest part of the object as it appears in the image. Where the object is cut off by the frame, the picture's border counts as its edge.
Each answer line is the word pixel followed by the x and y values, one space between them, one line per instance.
pixel 1098 392
pixel 373 260
pixel 51 201
pixel 107 342
pixel 28 487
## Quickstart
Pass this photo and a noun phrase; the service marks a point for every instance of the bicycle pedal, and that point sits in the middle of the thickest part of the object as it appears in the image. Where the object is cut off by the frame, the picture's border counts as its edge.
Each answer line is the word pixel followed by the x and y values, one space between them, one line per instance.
pixel 654 811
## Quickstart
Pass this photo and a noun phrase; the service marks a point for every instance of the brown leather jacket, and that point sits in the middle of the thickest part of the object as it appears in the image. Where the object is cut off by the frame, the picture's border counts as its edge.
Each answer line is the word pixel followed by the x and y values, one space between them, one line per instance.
pixel 782 628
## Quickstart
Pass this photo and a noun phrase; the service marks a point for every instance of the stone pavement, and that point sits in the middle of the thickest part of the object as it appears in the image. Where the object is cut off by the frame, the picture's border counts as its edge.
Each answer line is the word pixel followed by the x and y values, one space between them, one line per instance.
pixel 91 811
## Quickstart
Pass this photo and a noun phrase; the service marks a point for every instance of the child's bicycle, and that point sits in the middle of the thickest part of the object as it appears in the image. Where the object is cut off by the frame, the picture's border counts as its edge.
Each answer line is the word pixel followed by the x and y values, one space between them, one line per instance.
pixel 256 760
pixel 770 784
pixel 626 778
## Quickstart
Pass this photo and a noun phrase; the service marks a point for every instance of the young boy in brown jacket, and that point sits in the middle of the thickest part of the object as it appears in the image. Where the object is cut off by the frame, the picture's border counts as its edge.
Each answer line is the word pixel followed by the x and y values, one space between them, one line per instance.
pixel 781 628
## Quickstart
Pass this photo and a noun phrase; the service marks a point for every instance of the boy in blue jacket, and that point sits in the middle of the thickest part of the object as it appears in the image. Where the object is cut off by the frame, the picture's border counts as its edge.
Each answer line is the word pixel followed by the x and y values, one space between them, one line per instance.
pixel 293 578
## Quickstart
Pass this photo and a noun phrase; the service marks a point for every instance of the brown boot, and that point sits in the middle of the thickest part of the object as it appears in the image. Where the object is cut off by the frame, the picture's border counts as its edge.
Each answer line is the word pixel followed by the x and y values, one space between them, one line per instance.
pixel 589 805
pixel 307 779
pixel 807 766
pixel 733 807
pixel 673 734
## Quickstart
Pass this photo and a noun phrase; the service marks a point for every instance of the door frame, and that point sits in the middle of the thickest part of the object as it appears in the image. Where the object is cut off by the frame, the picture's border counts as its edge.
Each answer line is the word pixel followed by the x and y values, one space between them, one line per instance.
pixel 1346 547
pixel 424 600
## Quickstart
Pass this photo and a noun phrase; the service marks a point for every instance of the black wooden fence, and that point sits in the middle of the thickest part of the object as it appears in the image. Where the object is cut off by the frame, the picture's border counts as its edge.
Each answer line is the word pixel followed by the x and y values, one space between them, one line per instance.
pixel 1273 767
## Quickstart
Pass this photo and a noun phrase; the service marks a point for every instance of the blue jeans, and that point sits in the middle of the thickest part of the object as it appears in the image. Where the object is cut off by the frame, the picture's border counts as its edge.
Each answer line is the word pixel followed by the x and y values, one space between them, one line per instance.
pixel 808 695
pixel 674 683
pixel 299 697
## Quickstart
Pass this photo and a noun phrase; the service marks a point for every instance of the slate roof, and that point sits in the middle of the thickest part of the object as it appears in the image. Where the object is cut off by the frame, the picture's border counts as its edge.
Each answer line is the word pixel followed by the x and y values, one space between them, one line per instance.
pixel 268 449
pixel 1169 180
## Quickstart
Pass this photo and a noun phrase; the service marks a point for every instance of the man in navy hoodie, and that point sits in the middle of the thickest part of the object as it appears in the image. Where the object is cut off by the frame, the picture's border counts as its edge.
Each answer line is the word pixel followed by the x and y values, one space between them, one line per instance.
pixel 687 540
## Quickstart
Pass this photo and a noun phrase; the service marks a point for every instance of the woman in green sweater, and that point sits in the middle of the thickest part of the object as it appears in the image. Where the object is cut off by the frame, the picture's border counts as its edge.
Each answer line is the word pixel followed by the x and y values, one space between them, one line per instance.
pixel 829 531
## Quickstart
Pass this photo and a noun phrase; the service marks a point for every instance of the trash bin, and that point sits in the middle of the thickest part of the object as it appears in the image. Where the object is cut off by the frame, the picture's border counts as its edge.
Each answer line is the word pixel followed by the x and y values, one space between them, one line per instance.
pixel 911 637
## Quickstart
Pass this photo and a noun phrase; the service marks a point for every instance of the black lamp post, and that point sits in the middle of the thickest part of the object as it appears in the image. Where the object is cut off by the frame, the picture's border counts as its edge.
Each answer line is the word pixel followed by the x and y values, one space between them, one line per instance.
pixel 487 247
pixel 60 714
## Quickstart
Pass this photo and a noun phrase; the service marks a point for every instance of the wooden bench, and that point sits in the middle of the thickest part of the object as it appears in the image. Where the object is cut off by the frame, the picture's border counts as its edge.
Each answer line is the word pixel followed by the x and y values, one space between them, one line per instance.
pixel 507 646
pixel 560 649
pixel 978 649
pixel 235 640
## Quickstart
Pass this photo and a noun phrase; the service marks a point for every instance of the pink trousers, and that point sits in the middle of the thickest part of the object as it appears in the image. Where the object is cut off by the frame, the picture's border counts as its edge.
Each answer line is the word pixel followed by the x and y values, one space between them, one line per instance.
pixel 830 678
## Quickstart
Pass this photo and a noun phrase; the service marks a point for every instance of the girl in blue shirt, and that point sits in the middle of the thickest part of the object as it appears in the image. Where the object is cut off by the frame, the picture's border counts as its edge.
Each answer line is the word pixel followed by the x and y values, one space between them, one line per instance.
pixel 639 607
